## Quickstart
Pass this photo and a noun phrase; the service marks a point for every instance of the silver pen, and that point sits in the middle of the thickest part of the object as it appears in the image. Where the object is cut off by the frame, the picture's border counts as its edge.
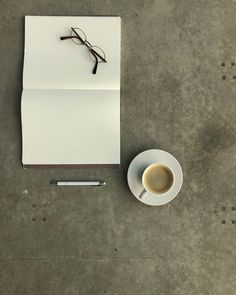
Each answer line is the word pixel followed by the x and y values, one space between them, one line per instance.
pixel 78 182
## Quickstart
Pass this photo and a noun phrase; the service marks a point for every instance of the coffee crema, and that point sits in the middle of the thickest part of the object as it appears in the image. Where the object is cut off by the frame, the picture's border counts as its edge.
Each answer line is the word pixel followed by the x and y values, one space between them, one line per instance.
pixel 157 178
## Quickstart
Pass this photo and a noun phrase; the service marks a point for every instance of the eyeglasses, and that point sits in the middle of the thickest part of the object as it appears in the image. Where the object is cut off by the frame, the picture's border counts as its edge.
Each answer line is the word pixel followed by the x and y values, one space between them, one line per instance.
pixel 96 54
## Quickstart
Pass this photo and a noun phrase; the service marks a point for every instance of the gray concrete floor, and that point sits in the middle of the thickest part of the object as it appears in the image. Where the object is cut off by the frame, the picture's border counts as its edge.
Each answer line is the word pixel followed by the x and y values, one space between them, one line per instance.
pixel 102 240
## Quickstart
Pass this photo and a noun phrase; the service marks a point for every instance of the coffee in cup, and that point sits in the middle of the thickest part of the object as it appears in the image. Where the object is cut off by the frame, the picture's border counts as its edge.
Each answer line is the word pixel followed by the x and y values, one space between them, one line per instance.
pixel 157 179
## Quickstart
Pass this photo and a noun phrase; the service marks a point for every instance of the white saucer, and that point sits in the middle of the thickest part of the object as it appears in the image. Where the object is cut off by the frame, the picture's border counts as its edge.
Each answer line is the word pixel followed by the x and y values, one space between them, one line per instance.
pixel 146 158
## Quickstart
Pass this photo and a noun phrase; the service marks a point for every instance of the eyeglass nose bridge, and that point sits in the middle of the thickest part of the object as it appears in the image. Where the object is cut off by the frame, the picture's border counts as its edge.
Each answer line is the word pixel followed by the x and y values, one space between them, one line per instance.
pixel 88 44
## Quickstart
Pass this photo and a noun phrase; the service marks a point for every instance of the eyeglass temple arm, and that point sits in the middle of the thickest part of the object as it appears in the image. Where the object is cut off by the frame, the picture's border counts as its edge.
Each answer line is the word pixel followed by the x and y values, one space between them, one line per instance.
pixel 77 36
pixel 96 63
pixel 68 37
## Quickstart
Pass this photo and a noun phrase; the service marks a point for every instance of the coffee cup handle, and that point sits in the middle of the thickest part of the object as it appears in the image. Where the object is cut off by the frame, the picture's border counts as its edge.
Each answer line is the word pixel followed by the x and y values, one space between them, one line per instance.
pixel 143 194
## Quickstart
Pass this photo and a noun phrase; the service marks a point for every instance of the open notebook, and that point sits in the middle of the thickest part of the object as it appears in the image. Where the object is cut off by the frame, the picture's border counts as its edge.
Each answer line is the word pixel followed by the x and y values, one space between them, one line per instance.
pixel 69 115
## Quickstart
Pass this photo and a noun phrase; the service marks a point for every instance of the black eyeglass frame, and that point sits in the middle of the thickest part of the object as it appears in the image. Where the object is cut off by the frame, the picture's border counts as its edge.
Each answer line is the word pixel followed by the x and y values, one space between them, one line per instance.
pixel 94 53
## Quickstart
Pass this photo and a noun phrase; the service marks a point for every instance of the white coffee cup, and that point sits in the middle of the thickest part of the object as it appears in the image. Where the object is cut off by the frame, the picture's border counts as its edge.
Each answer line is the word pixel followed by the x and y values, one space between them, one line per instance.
pixel 157 179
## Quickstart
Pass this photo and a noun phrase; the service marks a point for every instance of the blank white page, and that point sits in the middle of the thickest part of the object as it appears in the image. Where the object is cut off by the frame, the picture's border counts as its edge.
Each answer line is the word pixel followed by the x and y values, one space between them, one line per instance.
pixel 69 115
pixel 70 127
pixel 50 63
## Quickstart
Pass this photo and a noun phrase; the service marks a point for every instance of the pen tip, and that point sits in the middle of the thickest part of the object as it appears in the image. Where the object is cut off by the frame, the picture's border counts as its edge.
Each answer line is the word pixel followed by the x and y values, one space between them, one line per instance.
pixel 53 182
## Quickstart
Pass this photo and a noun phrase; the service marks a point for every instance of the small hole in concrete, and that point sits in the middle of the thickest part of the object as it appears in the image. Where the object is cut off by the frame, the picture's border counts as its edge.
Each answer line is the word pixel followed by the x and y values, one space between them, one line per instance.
pixel 233 208
pixel 44 205
pixel 33 205
pixel 44 219
pixel 116 249
pixel 223 208
pixel 234 77
pixel 233 221
pixel 222 64
pixel 223 222
pixel 33 219
pixel 232 64
pixel 223 77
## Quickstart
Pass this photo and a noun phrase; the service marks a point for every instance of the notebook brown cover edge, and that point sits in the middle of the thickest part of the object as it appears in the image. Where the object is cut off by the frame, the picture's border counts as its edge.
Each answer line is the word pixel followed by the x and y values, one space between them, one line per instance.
pixel 44 166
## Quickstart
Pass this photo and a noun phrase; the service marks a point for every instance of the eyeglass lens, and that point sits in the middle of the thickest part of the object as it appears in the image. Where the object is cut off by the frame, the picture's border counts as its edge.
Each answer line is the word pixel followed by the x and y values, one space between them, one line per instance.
pixel 81 34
